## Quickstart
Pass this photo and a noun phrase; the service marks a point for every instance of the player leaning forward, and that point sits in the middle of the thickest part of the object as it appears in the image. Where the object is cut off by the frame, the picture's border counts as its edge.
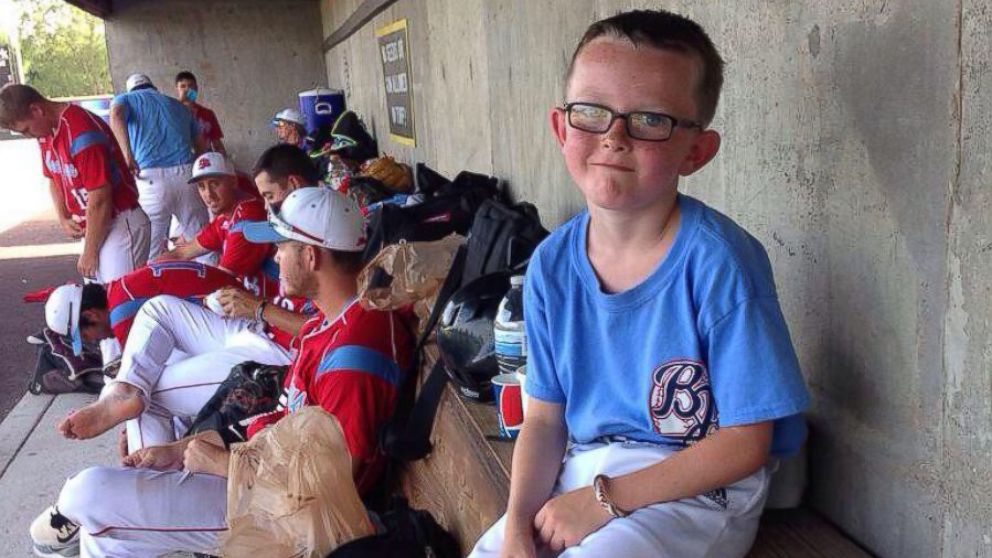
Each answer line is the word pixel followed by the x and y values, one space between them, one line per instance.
pixel 655 338
pixel 94 194
pixel 348 361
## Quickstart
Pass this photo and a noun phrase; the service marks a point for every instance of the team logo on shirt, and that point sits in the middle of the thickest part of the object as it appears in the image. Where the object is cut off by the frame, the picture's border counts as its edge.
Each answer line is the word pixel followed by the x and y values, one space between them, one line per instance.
pixel 295 399
pixel 69 170
pixel 681 404
pixel 52 163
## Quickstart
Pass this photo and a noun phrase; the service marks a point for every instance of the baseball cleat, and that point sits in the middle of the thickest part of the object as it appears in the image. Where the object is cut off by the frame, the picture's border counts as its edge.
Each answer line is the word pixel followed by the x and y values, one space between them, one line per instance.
pixel 36 339
pixel 54 536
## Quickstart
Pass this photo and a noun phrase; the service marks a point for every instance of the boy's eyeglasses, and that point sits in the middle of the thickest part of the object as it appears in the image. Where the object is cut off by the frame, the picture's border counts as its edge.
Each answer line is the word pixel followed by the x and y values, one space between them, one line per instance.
pixel 642 125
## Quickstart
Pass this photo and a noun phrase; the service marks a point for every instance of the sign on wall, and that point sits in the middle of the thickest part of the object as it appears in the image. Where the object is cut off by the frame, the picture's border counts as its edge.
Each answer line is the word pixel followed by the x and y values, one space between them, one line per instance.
pixel 394 50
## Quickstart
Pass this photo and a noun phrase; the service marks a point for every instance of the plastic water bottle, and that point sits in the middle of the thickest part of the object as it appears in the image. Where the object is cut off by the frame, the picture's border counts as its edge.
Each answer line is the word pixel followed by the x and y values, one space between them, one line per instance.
pixel 508 329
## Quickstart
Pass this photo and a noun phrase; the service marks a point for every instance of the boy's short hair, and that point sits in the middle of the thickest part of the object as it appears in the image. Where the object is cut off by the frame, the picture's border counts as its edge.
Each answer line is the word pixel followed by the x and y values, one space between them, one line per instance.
pixel 94 297
pixel 664 30
pixel 186 75
pixel 15 102
pixel 284 160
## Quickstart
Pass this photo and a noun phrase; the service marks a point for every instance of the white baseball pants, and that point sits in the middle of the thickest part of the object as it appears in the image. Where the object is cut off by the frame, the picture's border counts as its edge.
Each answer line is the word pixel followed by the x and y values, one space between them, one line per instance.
pixel 214 344
pixel 722 523
pixel 163 193
pixel 140 513
pixel 126 246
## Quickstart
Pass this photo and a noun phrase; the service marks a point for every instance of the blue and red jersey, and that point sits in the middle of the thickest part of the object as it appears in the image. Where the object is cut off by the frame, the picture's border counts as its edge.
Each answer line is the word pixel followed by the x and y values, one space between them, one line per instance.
pixel 351 366
pixel 83 156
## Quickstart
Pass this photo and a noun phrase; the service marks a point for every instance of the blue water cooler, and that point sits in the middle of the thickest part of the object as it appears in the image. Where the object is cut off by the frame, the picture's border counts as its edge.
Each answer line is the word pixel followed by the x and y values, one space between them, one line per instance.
pixel 99 105
pixel 321 107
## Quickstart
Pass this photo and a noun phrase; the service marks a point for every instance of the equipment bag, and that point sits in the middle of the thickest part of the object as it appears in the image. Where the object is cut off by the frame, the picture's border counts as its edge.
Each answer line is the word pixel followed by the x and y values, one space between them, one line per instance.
pixel 501 240
pixel 59 370
pixel 409 533
pixel 250 390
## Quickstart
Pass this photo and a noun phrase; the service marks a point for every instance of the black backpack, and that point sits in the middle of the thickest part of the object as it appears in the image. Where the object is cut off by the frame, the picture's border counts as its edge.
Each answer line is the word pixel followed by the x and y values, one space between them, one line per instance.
pixel 251 389
pixel 409 533
pixel 59 370
pixel 501 240
pixel 448 207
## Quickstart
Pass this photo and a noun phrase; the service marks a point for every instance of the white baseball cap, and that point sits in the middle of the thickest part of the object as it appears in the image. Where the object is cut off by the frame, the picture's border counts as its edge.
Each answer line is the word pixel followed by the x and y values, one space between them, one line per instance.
pixel 137 80
pixel 289 115
pixel 62 313
pixel 211 164
pixel 313 215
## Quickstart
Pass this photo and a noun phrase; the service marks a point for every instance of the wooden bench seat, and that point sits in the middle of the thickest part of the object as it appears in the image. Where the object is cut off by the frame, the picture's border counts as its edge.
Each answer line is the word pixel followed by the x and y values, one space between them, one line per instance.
pixel 465 483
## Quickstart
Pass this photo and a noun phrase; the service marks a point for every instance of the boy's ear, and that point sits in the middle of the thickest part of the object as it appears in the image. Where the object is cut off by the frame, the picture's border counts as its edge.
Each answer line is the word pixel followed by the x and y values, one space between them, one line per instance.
pixel 703 150
pixel 558 122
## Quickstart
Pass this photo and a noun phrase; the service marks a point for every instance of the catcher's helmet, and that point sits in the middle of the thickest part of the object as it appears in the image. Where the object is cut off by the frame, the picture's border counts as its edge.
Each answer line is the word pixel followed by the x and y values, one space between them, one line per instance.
pixel 465 335
pixel 62 313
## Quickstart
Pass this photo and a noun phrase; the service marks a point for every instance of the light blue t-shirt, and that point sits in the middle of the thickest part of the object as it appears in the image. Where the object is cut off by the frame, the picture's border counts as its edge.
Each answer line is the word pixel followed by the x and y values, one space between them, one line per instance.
pixel 701 343
pixel 160 128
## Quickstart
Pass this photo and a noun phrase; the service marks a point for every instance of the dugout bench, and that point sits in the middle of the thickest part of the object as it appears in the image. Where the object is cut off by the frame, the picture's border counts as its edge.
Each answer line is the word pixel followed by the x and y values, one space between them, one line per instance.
pixel 465 482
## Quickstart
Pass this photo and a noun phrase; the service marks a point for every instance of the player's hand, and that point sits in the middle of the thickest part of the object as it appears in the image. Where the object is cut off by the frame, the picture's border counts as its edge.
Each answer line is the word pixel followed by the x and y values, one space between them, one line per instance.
pixel 518 540
pixel 168 256
pixel 87 264
pixel 238 303
pixel 203 457
pixel 72 228
pixel 132 165
pixel 567 519
pixel 160 458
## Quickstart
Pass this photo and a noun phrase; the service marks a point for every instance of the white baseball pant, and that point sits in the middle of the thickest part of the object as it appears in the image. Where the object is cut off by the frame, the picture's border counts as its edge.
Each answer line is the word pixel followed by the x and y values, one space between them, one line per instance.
pixel 126 246
pixel 166 325
pixel 722 523
pixel 139 513
pixel 164 193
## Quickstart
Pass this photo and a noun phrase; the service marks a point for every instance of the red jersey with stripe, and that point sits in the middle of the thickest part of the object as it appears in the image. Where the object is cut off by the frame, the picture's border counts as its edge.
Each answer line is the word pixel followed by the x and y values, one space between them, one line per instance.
pixel 187 280
pixel 351 366
pixel 83 155
pixel 225 234
pixel 206 122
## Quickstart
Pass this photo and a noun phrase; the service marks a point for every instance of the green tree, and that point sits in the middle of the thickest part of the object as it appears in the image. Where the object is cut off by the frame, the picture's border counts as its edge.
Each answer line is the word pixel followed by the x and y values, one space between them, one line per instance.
pixel 63 49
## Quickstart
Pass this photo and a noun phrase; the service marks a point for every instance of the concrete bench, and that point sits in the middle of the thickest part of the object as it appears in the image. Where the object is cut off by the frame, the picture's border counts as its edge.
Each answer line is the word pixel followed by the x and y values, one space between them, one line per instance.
pixel 465 483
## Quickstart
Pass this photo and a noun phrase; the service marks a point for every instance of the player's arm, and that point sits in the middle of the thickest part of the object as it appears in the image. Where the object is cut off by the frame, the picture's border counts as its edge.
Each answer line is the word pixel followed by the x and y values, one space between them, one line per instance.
pixel 71 227
pixel 99 213
pixel 239 303
pixel 721 459
pixel 188 251
pixel 118 125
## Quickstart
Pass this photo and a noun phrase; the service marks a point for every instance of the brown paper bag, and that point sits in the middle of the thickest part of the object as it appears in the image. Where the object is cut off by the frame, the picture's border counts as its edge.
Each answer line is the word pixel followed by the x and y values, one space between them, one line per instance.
pixel 290 491
pixel 417 269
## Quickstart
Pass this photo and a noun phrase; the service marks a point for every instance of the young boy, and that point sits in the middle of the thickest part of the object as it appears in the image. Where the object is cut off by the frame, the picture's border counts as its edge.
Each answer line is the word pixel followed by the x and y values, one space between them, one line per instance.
pixel 656 344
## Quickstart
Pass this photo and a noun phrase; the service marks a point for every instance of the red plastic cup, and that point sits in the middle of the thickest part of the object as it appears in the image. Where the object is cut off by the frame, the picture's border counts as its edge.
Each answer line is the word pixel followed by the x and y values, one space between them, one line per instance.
pixel 509 404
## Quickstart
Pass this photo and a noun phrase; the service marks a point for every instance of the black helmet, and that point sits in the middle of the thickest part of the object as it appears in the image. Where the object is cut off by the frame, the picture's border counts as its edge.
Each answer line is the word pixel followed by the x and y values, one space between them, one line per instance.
pixel 465 335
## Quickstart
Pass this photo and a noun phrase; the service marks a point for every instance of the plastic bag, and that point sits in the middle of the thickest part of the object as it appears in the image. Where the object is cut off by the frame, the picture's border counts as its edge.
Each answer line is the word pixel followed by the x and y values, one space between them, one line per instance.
pixel 290 491
pixel 408 273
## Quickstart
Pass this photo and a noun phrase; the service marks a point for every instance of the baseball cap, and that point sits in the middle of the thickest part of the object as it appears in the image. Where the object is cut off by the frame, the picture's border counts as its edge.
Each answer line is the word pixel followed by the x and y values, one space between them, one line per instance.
pixel 289 115
pixel 137 80
pixel 211 164
pixel 313 215
pixel 62 313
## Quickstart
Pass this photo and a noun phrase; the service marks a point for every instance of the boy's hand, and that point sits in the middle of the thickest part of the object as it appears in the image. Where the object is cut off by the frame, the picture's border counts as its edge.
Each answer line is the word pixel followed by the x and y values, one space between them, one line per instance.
pixel 567 519
pixel 518 540
pixel 203 457
pixel 159 458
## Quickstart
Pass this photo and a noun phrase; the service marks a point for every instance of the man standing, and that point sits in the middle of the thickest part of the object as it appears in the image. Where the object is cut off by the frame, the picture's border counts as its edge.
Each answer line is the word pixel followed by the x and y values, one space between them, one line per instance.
pixel 159 136
pixel 188 91
pixel 93 193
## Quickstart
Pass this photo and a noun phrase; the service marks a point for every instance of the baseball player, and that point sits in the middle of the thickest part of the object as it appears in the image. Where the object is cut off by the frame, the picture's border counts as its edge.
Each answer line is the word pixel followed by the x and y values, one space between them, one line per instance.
pixel 349 361
pixel 159 137
pixel 291 128
pixel 216 182
pixel 252 328
pixel 93 193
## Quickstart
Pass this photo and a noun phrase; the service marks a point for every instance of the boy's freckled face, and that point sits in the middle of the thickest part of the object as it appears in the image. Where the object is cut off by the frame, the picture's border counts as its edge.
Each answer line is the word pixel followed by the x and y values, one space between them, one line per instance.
pixel 612 170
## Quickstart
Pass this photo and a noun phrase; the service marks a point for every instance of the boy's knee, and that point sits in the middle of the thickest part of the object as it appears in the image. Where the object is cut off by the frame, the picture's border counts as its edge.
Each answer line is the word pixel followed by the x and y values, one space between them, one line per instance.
pixel 85 493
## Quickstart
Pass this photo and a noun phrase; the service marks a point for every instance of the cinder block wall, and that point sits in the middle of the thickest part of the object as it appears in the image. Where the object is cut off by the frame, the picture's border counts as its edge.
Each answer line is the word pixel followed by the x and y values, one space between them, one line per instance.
pixel 856 147
pixel 251 57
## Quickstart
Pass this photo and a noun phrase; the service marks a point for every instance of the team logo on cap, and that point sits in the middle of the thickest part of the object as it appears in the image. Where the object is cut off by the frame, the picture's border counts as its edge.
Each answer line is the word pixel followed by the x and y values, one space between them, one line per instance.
pixel 681 403
pixel 203 164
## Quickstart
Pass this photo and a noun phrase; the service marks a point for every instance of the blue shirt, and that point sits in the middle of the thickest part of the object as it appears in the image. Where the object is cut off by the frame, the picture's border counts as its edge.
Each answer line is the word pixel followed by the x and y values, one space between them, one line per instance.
pixel 160 128
pixel 699 344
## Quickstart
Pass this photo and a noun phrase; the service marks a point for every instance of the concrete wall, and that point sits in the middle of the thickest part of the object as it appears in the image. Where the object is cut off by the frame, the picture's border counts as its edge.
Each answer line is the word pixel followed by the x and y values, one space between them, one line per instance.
pixel 251 57
pixel 857 148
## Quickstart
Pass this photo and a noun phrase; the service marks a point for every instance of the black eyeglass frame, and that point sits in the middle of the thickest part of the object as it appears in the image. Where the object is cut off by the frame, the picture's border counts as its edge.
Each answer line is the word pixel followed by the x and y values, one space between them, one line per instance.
pixel 676 122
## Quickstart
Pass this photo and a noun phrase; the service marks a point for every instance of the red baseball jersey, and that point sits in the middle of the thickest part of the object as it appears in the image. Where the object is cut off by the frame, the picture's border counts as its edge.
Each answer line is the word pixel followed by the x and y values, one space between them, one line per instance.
pixel 351 366
pixel 82 156
pixel 206 122
pixel 187 280
pixel 225 234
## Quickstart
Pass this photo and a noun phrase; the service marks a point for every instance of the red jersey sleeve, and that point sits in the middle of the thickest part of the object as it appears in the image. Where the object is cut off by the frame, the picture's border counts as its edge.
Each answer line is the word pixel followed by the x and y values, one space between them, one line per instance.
pixel 241 257
pixel 91 156
pixel 215 132
pixel 211 236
